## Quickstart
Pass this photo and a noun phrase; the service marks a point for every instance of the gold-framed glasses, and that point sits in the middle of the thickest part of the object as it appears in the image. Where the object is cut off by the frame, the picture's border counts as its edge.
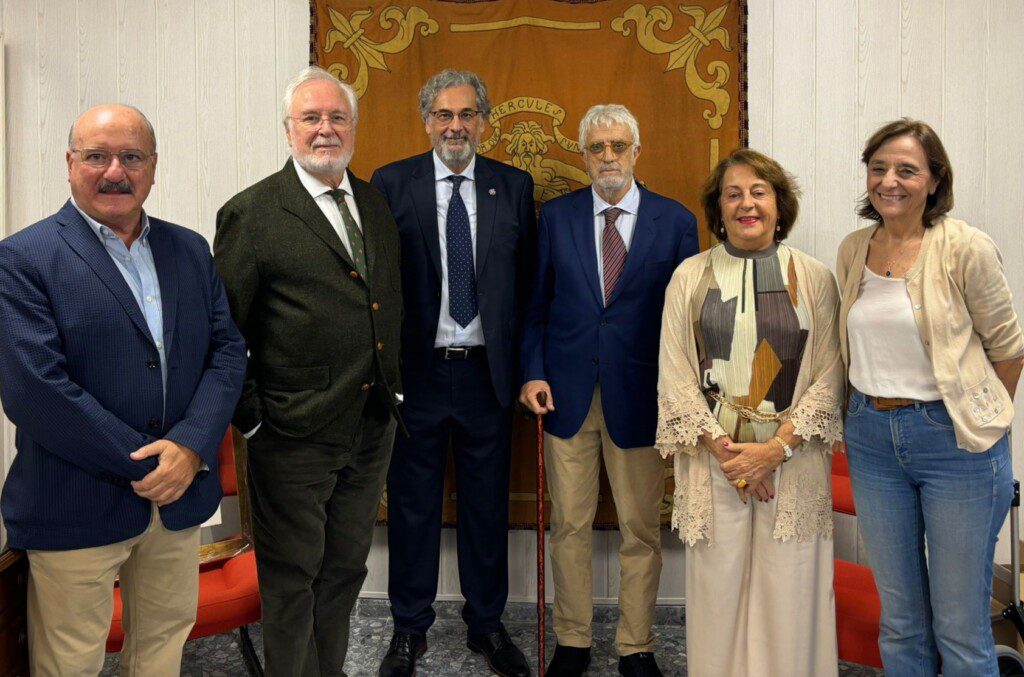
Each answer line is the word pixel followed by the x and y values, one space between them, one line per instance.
pixel 444 116
pixel 618 148
pixel 311 121
pixel 101 158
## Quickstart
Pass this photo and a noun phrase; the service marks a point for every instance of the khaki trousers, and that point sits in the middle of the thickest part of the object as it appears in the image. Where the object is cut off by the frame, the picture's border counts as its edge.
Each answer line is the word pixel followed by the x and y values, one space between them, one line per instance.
pixel 637 478
pixel 755 606
pixel 71 603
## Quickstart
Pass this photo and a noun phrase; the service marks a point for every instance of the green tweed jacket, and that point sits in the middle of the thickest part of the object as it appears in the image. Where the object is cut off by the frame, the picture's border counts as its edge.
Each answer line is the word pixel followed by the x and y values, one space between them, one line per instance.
pixel 318 334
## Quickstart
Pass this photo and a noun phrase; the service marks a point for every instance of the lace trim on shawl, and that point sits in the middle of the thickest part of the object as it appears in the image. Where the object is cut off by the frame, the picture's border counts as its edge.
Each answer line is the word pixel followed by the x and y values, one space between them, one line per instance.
pixel 818 414
pixel 681 423
pixel 805 510
pixel 692 512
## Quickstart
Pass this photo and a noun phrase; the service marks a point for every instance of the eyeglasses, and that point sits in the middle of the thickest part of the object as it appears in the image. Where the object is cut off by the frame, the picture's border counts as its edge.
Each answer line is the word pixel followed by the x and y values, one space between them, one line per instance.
pixel 312 121
pixel 444 116
pixel 101 158
pixel 618 148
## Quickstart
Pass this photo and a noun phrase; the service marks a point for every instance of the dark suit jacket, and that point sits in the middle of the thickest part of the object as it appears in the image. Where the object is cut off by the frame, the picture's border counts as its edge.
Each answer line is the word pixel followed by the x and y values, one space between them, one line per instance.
pixel 505 235
pixel 572 340
pixel 80 377
pixel 318 334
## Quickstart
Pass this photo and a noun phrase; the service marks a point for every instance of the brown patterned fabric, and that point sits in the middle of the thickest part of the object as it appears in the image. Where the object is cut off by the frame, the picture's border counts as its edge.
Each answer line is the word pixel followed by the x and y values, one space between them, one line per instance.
pixel 680 68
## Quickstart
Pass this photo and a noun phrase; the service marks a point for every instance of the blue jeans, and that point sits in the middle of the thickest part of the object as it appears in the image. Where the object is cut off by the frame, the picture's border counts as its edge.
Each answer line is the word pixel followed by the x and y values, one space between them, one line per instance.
pixel 911 484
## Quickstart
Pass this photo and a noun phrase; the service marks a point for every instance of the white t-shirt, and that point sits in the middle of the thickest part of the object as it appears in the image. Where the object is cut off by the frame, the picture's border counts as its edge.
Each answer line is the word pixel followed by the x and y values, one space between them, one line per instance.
pixel 887 357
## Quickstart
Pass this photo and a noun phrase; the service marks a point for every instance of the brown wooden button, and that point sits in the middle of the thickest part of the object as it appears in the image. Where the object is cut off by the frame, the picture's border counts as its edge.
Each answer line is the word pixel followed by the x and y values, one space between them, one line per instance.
pixel 364 387
pixel 376 306
pixel 380 345
pixel 353 274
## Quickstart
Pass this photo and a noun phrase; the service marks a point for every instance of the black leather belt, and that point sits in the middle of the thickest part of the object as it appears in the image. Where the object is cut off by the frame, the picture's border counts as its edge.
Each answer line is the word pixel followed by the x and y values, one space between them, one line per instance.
pixel 458 352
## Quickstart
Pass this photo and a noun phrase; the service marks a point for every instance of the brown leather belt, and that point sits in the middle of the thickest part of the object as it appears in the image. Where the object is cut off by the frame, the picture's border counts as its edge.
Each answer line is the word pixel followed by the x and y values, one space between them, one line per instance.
pixel 887 403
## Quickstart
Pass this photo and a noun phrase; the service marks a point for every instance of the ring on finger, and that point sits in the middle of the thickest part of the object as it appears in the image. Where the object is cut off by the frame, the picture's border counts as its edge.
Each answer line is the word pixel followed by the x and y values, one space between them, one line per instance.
pixel 740 483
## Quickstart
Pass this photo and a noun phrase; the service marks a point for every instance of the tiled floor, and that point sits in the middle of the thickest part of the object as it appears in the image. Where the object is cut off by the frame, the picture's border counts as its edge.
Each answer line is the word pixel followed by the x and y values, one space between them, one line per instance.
pixel 447 654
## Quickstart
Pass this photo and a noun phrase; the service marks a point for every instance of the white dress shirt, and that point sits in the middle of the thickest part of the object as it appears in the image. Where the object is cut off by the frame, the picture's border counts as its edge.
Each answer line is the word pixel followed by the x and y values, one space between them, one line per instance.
pixel 625 224
pixel 321 194
pixel 449 333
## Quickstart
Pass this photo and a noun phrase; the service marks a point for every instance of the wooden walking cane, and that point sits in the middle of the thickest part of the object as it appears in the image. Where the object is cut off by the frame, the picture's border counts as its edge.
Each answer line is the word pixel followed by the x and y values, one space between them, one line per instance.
pixel 542 400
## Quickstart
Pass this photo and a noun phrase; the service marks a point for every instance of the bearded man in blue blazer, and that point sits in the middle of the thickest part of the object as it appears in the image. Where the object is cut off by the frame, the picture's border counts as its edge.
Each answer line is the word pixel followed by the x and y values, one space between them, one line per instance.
pixel 121 367
pixel 467 227
pixel 605 255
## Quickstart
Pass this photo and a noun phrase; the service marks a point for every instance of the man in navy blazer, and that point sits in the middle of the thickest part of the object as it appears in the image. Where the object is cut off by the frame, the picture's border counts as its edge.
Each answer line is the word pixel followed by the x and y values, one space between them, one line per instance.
pixel 590 343
pixel 467 229
pixel 121 367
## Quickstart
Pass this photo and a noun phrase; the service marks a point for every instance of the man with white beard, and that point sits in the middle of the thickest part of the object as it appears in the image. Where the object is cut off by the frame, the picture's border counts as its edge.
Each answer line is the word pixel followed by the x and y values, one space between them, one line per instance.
pixel 466 224
pixel 605 255
pixel 309 258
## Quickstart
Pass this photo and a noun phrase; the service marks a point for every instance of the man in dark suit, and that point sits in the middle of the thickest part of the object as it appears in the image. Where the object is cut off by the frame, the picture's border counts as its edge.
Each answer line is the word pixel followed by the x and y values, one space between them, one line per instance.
pixel 467 229
pixel 309 258
pixel 604 258
pixel 120 366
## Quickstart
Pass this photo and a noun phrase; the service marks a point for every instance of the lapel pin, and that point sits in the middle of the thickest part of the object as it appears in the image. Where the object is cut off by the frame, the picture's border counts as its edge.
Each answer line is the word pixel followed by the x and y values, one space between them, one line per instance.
pixel 492 192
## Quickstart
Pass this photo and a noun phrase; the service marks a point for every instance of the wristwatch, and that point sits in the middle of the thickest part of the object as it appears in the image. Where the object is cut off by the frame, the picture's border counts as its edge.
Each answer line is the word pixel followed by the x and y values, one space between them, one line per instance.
pixel 786 449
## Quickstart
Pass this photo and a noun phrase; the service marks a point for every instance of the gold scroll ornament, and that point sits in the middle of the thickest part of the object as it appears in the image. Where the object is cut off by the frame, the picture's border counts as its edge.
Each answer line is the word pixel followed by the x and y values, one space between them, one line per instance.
pixel 683 53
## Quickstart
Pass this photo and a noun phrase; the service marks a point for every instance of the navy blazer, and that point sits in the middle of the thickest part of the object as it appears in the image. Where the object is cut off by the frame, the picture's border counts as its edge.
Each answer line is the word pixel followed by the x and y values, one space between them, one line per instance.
pixel 80 378
pixel 573 341
pixel 505 233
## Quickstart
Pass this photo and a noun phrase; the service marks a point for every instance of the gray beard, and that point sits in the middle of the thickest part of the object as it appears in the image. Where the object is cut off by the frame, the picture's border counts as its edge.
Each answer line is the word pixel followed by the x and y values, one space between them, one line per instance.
pixel 456 157
pixel 612 185
pixel 322 165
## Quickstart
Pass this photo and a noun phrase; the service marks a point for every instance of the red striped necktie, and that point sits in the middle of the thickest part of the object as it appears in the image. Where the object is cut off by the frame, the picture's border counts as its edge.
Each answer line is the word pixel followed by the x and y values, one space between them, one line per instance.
pixel 613 251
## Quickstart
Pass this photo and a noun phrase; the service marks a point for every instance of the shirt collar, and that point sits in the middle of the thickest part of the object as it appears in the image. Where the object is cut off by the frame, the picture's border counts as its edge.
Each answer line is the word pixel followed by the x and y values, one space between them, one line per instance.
pixel 441 171
pixel 630 202
pixel 105 232
pixel 315 186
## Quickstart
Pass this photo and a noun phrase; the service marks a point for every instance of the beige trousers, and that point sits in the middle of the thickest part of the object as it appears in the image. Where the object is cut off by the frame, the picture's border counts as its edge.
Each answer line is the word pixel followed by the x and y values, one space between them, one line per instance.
pixel 755 606
pixel 71 603
pixel 637 478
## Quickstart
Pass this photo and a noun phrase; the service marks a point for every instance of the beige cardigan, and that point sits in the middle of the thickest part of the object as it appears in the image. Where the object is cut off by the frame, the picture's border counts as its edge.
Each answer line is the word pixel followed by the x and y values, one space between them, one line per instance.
pixel 804 491
pixel 964 313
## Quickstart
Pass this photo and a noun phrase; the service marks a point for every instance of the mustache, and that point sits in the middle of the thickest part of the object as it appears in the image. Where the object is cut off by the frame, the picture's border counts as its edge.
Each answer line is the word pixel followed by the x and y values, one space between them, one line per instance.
pixel 610 165
pixel 326 143
pixel 116 187
pixel 453 136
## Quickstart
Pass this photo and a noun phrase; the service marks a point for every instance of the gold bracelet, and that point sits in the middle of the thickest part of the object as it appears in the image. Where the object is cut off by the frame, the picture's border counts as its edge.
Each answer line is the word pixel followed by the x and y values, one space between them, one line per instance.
pixel 787 451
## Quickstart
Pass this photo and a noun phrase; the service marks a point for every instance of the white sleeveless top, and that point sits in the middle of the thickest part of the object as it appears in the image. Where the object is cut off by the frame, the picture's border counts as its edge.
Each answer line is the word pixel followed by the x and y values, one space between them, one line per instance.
pixel 887 357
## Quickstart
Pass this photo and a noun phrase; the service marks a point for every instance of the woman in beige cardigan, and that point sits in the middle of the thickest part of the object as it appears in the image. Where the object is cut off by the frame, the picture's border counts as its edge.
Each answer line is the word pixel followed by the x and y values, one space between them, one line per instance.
pixel 934 353
pixel 749 396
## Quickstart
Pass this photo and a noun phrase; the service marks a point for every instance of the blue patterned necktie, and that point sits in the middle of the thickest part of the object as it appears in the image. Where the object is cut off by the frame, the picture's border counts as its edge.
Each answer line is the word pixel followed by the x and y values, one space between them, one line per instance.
pixel 459 245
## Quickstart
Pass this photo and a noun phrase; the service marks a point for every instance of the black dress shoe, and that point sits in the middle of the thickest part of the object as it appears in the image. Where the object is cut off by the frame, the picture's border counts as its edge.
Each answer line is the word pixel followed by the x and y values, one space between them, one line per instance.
pixel 568 661
pixel 502 655
pixel 403 652
pixel 639 665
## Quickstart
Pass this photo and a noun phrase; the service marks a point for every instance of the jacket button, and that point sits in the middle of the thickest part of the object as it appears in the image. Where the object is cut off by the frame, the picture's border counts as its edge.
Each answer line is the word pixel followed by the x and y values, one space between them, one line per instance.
pixel 353 274
pixel 593 360
pixel 152 364
pixel 154 423
pixel 364 387
pixel 603 322
pixel 380 345
pixel 376 306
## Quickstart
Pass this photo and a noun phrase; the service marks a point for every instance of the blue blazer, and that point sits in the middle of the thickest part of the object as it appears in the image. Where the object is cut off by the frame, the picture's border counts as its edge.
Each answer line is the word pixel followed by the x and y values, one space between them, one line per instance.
pixel 505 232
pixel 573 341
pixel 80 378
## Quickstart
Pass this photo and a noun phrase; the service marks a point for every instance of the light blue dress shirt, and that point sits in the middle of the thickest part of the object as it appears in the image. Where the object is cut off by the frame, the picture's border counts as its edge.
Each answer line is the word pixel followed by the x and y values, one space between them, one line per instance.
pixel 138 268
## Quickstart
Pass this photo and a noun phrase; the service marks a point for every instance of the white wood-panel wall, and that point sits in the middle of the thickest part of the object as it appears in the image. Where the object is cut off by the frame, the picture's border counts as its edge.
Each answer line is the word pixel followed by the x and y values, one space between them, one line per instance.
pixel 823 74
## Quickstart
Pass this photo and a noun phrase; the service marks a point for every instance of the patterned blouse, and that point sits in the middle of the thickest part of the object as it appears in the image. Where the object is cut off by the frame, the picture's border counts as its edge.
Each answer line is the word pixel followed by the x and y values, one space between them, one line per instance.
pixel 751 334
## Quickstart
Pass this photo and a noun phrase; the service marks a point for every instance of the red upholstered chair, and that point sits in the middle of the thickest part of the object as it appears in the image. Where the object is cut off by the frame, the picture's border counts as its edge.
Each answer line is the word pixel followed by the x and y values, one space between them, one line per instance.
pixel 229 595
pixel 857 605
